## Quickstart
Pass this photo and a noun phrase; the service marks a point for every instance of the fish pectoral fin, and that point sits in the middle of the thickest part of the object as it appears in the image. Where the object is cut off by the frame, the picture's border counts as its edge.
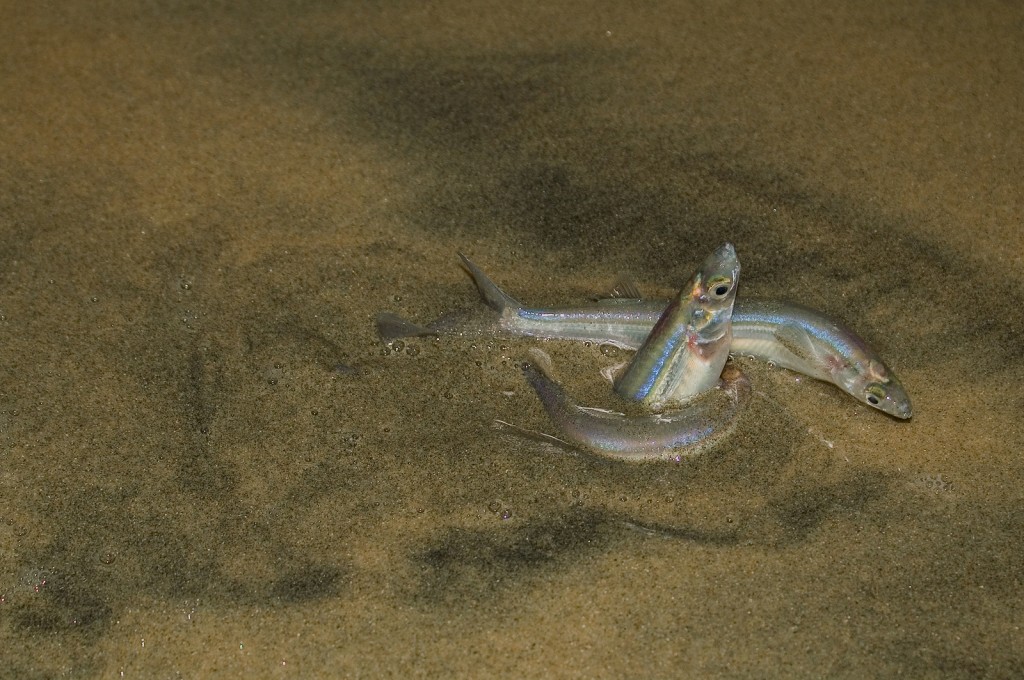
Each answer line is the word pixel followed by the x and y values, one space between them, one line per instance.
pixel 611 373
pixel 601 412
pixel 535 435
pixel 796 341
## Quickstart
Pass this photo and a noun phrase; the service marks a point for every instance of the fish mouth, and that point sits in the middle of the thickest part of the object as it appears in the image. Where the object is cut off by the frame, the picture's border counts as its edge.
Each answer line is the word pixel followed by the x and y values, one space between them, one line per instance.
pixel 726 251
pixel 904 411
pixel 889 397
pixel 723 261
pixel 898 406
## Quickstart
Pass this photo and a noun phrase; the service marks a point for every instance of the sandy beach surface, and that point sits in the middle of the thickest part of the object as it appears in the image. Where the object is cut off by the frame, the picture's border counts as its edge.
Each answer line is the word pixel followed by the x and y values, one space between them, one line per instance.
pixel 211 466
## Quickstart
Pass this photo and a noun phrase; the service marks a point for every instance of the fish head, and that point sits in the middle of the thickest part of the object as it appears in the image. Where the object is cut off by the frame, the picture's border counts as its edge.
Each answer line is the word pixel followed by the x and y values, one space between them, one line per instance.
pixel 713 292
pixel 875 385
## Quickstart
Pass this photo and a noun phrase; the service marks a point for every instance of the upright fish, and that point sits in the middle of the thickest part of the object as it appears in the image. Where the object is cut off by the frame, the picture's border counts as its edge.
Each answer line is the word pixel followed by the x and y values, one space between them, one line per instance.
pixel 672 435
pixel 787 334
pixel 688 345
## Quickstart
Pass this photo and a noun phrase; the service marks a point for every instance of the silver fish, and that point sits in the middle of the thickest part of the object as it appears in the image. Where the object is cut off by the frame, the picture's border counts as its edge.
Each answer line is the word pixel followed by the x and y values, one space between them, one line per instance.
pixel 672 435
pixel 809 342
pixel 685 351
pixel 787 334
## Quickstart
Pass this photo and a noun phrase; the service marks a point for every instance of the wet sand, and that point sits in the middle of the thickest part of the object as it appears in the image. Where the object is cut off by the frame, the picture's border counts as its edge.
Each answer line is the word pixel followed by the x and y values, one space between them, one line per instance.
pixel 211 466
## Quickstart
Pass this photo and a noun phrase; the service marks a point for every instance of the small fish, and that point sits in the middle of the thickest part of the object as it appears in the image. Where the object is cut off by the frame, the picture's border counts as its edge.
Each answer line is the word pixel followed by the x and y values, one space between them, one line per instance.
pixel 672 435
pixel 809 342
pixel 621 322
pixel 786 334
pixel 688 346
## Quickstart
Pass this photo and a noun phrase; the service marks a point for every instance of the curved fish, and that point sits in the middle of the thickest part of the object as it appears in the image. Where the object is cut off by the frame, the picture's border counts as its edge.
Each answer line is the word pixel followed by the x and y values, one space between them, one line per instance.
pixel 787 334
pixel 672 435
pixel 809 342
pixel 686 349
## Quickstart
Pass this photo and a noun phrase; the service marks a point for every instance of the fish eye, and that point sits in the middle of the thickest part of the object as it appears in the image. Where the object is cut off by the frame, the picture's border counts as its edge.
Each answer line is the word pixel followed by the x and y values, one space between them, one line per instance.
pixel 875 394
pixel 720 287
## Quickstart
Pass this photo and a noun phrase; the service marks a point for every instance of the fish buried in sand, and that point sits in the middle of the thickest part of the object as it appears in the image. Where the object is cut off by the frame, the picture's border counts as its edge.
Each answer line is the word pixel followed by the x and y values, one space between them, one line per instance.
pixel 688 346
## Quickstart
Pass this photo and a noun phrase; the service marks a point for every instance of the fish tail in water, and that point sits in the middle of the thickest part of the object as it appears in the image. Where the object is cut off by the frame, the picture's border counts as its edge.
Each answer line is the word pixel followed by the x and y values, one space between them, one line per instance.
pixel 391 326
pixel 664 436
pixel 495 297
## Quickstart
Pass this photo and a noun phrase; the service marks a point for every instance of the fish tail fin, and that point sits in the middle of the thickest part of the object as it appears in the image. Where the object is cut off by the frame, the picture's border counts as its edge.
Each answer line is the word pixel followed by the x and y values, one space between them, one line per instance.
pixel 538 373
pixel 495 297
pixel 390 326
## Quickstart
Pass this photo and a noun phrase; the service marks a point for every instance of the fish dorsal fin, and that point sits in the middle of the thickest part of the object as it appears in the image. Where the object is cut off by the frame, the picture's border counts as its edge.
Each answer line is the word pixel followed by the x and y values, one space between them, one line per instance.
pixel 625 289
pixel 612 303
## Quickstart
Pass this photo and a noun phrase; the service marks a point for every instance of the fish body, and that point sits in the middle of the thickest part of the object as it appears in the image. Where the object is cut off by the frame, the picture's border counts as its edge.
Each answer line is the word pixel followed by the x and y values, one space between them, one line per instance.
pixel 789 335
pixel 672 435
pixel 808 342
pixel 687 347
pixel 614 321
